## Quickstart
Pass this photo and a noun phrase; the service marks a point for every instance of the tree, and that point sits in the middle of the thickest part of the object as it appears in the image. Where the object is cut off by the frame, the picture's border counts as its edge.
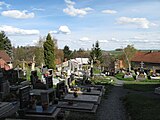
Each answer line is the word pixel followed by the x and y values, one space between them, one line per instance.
pixel 49 52
pixel 67 53
pixel 128 53
pixel 81 53
pixel 5 44
pixel 96 53
pixel 39 52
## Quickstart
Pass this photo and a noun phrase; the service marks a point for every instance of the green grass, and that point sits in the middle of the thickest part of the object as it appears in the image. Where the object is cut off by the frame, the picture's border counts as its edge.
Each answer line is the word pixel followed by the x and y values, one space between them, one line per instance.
pixel 99 80
pixel 141 86
pixel 119 76
pixel 96 71
pixel 142 108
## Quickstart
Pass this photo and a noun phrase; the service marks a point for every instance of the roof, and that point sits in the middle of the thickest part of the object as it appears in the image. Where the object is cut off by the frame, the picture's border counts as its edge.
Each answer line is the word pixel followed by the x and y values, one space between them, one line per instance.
pixel 149 57
pixel 4 65
pixel 4 56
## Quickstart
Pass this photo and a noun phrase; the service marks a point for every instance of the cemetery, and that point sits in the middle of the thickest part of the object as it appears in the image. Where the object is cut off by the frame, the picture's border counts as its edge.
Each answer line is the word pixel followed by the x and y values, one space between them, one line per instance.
pixel 54 85
pixel 39 99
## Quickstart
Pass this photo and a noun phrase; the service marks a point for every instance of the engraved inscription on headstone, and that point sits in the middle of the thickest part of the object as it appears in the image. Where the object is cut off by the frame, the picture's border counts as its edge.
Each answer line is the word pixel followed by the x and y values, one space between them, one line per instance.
pixel 24 97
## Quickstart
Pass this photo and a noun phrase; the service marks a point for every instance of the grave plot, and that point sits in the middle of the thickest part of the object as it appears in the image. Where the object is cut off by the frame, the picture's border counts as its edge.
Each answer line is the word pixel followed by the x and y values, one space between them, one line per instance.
pixel 29 107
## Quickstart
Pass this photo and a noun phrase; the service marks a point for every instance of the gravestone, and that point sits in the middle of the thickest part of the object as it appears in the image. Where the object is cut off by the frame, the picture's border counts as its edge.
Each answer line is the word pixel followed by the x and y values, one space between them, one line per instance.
pixel 44 100
pixel 24 96
pixel 141 75
pixel 34 78
pixel 4 86
pixel 49 82
pixel 61 89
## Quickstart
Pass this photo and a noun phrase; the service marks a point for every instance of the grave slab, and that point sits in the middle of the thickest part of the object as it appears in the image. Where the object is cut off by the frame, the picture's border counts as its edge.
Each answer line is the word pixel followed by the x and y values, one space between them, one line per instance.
pixel 82 98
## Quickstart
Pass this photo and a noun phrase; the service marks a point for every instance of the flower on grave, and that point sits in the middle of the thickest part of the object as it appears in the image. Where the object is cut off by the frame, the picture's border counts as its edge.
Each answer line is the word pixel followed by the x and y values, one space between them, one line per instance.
pixel 75 94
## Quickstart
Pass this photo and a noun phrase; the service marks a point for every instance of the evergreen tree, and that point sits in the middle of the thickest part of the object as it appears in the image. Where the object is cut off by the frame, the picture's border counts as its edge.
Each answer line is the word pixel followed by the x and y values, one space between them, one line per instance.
pixel 5 44
pixel 96 53
pixel 49 55
pixel 67 53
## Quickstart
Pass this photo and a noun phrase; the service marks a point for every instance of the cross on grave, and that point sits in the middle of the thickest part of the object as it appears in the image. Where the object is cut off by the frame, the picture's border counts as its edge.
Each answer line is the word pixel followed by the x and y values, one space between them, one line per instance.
pixel 141 69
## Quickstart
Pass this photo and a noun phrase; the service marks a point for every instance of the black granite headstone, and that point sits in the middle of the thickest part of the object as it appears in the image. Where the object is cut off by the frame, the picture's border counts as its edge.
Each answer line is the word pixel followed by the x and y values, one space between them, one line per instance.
pixel 24 96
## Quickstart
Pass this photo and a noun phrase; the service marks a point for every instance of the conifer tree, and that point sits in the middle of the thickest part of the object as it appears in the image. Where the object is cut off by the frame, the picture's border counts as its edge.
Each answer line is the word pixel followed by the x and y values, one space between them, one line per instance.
pixel 49 55
pixel 5 44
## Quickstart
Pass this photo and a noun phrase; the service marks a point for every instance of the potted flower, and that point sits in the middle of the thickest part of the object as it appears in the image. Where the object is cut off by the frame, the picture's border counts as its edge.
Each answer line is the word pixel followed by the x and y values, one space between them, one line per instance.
pixel 75 94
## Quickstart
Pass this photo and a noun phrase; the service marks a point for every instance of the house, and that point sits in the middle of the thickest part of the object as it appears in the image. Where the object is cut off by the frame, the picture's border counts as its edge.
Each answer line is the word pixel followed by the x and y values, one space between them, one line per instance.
pixel 5 60
pixel 74 65
pixel 118 64
pixel 150 60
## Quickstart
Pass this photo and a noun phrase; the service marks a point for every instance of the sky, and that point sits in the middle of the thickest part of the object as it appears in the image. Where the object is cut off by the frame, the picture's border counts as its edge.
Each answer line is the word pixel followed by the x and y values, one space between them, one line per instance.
pixel 80 23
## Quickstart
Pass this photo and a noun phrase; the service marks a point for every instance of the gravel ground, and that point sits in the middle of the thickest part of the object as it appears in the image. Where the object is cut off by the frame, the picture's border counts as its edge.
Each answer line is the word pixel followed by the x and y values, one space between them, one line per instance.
pixel 112 108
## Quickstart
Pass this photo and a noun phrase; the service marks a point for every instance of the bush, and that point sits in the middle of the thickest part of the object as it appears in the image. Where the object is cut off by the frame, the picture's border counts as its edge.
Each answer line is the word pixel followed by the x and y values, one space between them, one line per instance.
pixel 120 76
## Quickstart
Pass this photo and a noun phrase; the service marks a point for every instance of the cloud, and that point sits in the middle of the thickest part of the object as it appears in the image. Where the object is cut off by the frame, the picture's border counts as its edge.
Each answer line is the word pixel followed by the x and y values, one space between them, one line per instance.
pixel 138 38
pixel 62 29
pixel 53 32
pixel 4 4
pixel 38 9
pixel 109 11
pixel 18 14
pixel 84 39
pixel 10 30
pixel 72 11
pixel 140 22
pixel 69 2
pixel 103 41
pixel 114 39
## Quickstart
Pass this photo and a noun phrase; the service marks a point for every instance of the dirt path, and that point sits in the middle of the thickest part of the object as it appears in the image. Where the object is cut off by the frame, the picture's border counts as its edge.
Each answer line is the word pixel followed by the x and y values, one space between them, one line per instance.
pixel 112 107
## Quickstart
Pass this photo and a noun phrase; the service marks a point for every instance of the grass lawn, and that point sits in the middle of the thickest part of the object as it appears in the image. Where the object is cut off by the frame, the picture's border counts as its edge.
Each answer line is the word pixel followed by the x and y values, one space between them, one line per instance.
pixel 141 86
pixel 142 108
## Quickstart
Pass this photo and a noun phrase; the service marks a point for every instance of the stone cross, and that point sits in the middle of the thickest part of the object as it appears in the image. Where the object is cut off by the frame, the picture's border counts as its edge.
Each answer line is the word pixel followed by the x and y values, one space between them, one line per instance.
pixel 141 69
pixel 33 63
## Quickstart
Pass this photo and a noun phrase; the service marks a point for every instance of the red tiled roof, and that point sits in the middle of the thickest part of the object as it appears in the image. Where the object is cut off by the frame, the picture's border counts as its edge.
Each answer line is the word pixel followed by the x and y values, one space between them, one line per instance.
pixel 149 57
pixel 4 65
pixel 4 56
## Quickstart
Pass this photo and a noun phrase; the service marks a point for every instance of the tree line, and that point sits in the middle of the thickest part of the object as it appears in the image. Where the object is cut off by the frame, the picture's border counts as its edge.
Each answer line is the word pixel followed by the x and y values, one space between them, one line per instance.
pixel 47 52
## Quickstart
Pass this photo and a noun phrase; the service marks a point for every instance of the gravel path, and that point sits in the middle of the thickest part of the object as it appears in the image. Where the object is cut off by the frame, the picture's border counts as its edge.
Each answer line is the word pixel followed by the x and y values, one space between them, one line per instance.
pixel 112 107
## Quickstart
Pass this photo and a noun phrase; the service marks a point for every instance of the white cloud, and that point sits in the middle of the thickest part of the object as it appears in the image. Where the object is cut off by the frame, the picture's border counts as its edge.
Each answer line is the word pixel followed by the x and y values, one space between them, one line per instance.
pixel 10 30
pixel 62 29
pixel 114 39
pixel 18 14
pixel 109 11
pixel 85 39
pixel 4 4
pixel 72 11
pixel 138 38
pixel 38 9
pixel 140 22
pixel 53 32
pixel 69 2
pixel 103 41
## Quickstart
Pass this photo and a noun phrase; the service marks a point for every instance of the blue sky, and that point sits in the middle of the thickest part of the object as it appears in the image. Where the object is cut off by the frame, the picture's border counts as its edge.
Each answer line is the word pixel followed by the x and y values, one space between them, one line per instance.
pixel 79 23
